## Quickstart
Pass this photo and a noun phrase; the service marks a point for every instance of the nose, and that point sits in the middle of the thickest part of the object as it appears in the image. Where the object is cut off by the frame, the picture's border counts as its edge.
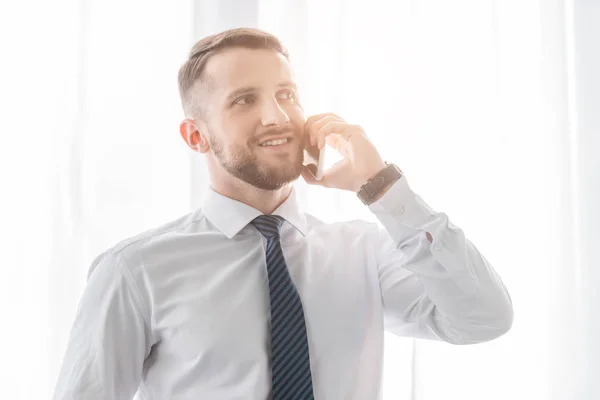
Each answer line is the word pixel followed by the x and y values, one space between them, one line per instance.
pixel 273 114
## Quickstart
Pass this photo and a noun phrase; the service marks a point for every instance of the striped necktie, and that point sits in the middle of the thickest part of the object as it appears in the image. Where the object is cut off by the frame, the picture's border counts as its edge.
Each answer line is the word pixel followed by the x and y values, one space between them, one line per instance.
pixel 290 362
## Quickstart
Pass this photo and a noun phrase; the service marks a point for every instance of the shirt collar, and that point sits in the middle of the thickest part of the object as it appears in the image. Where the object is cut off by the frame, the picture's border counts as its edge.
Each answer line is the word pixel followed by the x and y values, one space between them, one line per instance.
pixel 231 216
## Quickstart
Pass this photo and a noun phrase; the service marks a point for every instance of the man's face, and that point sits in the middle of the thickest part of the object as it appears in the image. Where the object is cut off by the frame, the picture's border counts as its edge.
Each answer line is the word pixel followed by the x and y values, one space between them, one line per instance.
pixel 251 98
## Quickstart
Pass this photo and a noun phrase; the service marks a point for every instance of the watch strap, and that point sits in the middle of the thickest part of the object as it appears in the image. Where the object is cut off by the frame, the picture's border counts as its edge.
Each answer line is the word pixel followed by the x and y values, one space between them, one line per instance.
pixel 371 190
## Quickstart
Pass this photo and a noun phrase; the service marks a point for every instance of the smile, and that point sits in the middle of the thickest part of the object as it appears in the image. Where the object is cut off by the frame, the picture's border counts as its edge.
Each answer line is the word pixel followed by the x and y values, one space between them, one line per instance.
pixel 277 142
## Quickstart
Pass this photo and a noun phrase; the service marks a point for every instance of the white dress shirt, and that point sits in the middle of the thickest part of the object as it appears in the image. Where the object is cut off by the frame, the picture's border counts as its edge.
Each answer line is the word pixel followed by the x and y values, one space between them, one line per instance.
pixel 182 311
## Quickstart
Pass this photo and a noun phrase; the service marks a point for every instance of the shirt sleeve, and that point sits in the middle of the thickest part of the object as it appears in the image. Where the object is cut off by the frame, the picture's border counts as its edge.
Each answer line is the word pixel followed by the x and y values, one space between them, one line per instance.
pixel 109 339
pixel 442 290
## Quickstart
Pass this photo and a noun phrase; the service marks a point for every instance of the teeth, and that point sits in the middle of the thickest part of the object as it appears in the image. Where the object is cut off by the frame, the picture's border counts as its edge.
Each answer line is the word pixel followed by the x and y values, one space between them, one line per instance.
pixel 274 142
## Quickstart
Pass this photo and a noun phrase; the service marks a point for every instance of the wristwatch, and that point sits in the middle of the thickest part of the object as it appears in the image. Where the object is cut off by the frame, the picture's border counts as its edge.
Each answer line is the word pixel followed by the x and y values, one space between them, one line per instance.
pixel 370 191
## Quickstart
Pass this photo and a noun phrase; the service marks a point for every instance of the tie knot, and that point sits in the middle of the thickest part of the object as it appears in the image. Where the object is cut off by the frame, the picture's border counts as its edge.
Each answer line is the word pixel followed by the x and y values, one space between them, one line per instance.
pixel 268 225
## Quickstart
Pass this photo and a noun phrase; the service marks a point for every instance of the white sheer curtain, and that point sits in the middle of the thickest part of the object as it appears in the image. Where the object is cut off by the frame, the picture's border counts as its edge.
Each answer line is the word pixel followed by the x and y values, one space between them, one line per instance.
pixel 475 100
pixel 90 155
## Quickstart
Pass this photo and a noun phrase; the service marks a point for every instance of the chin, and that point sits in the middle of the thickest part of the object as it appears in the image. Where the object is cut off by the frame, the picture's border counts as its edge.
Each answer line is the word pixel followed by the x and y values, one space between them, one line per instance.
pixel 280 178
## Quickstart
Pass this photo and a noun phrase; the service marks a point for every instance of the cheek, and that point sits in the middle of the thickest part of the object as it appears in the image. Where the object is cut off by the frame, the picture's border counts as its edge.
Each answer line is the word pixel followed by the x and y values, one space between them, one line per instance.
pixel 296 116
pixel 234 139
pixel 234 127
pixel 295 112
pixel 242 127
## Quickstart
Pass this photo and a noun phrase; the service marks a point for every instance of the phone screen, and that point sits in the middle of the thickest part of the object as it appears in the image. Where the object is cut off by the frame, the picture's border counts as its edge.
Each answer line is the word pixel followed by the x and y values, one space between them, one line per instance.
pixel 314 156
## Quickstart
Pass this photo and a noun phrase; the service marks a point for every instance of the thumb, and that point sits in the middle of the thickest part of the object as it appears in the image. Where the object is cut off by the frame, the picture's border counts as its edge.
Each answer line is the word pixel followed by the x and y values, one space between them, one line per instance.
pixel 308 173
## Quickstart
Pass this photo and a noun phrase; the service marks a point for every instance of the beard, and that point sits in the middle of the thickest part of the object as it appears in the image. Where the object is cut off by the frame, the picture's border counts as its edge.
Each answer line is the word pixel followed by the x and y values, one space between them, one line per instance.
pixel 244 164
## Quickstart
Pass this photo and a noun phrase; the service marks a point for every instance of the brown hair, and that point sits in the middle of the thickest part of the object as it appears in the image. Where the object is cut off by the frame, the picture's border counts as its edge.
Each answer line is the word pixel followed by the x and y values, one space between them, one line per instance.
pixel 191 71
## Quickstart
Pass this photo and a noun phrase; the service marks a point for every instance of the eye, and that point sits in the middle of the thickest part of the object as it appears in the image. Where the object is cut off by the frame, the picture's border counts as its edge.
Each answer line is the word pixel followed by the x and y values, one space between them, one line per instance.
pixel 288 95
pixel 245 100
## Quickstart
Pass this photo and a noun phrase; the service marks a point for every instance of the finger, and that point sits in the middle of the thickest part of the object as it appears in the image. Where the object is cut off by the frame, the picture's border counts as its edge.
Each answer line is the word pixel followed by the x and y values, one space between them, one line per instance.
pixel 346 131
pixel 323 121
pixel 319 124
pixel 332 127
pixel 314 118
pixel 310 120
pixel 334 140
pixel 308 174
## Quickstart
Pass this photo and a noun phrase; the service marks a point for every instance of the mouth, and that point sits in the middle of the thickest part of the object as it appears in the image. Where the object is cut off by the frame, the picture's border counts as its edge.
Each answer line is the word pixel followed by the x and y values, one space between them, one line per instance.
pixel 276 143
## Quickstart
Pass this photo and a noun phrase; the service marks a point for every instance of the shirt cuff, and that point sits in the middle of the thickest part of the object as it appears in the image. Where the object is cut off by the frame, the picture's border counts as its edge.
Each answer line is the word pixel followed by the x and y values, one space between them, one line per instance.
pixel 402 212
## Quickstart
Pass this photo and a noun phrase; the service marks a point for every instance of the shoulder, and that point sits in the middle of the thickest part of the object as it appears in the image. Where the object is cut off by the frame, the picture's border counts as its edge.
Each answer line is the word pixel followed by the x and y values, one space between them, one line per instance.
pixel 131 250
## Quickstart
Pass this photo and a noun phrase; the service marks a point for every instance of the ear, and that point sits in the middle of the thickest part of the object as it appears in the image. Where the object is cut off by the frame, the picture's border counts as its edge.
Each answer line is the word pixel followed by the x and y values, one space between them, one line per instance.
pixel 193 133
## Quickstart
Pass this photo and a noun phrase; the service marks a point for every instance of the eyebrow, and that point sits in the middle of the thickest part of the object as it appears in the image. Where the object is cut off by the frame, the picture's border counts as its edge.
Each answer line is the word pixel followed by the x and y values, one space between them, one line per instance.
pixel 288 84
pixel 241 91
pixel 249 89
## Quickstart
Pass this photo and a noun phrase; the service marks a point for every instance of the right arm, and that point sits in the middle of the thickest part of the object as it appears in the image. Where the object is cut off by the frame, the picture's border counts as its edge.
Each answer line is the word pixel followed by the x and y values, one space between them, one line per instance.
pixel 110 337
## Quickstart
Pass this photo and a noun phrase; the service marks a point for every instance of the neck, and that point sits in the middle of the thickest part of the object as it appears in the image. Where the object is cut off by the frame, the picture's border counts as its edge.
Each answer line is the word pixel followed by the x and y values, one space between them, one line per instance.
pixel 266 201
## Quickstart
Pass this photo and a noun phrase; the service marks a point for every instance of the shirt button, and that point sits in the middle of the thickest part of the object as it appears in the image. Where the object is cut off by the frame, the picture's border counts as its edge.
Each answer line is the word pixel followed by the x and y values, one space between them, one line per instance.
pixel 399 211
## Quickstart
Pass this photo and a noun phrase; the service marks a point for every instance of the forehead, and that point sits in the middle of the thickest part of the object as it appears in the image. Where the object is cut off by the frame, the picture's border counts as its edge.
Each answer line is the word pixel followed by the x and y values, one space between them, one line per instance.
pixel 240 67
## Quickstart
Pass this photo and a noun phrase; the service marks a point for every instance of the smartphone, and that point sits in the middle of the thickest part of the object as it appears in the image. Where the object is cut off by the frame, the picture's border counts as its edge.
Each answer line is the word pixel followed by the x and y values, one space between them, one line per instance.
pixel 312 155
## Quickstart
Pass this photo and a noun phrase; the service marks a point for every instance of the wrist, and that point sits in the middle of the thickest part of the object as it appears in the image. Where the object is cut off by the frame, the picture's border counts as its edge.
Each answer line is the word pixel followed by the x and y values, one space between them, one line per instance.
pixel 370 174
pixel 376 187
